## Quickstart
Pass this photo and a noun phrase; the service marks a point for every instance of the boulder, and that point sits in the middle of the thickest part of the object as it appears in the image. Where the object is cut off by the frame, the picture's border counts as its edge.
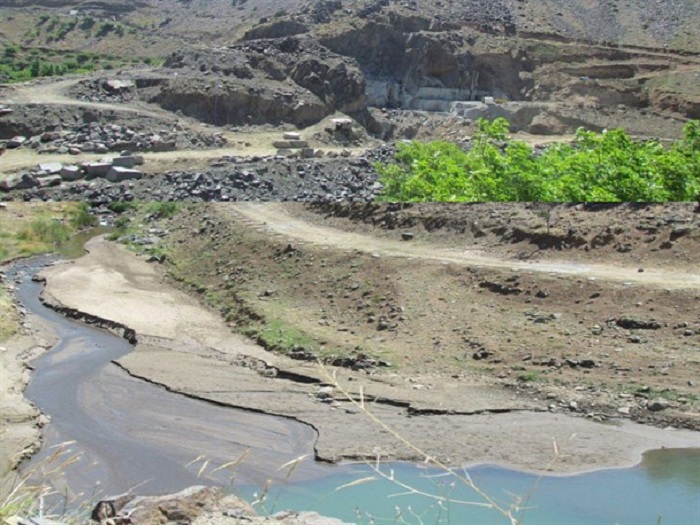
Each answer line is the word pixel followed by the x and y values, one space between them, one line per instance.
pixel 127 161
pixel 118 174
pixel 658 404
pixel 282 144
pixel 292 135
pixel 49 181
pixel 97 169
pixel 16 142
pixel 163 145
pixel 116 86
pixel 71 173
pixel 51 168
pixel 18 181
pixel 299 143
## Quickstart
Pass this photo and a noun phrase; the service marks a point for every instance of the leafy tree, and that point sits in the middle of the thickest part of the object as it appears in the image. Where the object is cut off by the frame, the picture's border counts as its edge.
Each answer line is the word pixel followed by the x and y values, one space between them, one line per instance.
pixel 608 166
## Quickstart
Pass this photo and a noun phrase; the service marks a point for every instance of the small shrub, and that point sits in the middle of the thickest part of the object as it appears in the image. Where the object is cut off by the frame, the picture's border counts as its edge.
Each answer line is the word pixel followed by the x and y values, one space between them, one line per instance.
pixel 81 217
pixel 46 230
pixel 529 377
pixel 162 210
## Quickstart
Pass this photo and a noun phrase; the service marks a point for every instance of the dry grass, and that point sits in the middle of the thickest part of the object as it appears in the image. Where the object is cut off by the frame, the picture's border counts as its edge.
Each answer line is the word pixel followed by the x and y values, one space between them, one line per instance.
pixel 22 496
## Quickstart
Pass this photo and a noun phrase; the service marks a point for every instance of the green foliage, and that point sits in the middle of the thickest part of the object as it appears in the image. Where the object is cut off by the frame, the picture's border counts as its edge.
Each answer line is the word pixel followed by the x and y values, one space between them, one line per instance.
pixel 105 28
pixel 87 23
pixel 529 377
pixel 81 218
pixel 596 167
pixel 11 51
pixel 162 210
pixel 20 65
pixel 45 230
pixel 121 206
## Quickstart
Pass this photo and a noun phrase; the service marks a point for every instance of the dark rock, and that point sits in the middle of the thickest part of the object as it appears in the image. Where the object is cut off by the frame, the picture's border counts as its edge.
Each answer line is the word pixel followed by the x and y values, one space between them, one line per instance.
pixel 637 324
pixel 658 404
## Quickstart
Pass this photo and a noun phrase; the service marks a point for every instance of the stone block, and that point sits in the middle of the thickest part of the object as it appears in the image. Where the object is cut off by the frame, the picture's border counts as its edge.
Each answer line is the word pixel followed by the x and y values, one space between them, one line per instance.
pixel 18 181
pixel 97 169
pixel 16 142
pixel 292 135
pixel 127 161
pixel 118 174
pixel 71 173
pixel 51 168
pixel 49 181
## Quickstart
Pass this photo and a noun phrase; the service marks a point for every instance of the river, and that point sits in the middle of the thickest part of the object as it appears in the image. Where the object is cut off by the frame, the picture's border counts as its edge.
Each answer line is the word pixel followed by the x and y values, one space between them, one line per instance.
pixel 111 433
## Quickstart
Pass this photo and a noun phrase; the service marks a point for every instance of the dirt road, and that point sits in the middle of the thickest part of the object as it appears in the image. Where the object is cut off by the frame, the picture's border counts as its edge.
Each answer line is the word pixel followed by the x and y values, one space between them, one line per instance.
pixel 276 220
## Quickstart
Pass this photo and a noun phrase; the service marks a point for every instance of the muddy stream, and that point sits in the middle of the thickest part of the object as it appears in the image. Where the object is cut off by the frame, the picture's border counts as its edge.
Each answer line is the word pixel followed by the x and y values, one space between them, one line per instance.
pixel 111 433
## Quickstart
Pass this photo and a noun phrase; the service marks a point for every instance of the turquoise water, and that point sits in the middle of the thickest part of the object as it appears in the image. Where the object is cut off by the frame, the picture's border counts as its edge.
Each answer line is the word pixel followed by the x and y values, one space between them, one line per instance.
pixel 664 489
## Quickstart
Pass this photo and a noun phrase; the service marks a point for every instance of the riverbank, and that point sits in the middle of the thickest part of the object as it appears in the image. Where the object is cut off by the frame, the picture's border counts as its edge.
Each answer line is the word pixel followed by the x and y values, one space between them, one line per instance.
pixel 189 349
pixel 21 422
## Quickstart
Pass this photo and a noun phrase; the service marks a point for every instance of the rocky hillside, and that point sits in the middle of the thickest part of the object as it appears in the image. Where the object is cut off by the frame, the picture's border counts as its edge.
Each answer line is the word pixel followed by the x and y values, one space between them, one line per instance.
pixel 400 69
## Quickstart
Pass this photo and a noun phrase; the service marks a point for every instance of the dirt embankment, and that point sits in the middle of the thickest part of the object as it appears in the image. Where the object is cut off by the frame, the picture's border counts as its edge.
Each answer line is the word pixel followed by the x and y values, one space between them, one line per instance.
pixel 593 339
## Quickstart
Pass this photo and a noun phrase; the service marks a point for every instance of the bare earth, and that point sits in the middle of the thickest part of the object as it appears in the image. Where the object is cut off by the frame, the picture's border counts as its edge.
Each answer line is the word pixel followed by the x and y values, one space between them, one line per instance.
pixel 19 421
pixel 188 348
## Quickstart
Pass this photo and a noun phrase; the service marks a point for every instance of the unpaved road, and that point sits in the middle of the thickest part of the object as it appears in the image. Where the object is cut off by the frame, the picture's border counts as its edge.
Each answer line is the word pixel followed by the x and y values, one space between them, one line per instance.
pixel 276 220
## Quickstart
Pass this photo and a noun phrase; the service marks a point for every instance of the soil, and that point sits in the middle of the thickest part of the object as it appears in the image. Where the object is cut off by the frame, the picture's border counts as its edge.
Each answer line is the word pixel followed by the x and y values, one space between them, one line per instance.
pixel 596 331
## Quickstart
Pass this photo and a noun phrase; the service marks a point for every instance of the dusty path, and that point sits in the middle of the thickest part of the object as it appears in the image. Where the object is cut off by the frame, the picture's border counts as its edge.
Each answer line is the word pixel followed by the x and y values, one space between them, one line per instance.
pixel 276 219
pixel 189 349
pixel 55 93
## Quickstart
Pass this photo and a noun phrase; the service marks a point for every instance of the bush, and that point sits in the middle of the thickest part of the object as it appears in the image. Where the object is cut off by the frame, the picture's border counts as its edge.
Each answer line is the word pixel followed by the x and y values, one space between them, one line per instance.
pixel 81 217
pixel 46 230
pixel 11 51
pixel 607 166
pixel 162 210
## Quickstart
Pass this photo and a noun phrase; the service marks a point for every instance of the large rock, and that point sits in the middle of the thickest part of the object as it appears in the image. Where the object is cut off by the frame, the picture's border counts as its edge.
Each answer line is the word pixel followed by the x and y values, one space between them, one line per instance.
pixel 51 168
pixel 658 404
pixel 97 169
pixel 127 161
pixel 16 142
pixel 116 86
pixel 49 181
pixel 195 506
pixel 71 173
pixel 118 174
pixel 18 181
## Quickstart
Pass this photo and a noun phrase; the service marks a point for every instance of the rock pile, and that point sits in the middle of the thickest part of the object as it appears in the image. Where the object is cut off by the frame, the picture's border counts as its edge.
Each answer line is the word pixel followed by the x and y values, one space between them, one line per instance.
pixel 104 138
pixel 232 179
pixel 105 90
pixel 50 174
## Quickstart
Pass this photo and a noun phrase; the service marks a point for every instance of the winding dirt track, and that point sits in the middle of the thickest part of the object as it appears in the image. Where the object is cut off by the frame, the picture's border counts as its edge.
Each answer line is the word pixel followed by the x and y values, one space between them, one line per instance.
pixel 276 219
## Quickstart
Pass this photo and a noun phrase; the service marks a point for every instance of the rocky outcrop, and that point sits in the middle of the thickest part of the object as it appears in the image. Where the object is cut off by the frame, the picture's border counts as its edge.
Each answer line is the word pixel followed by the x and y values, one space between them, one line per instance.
pixel 290 80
